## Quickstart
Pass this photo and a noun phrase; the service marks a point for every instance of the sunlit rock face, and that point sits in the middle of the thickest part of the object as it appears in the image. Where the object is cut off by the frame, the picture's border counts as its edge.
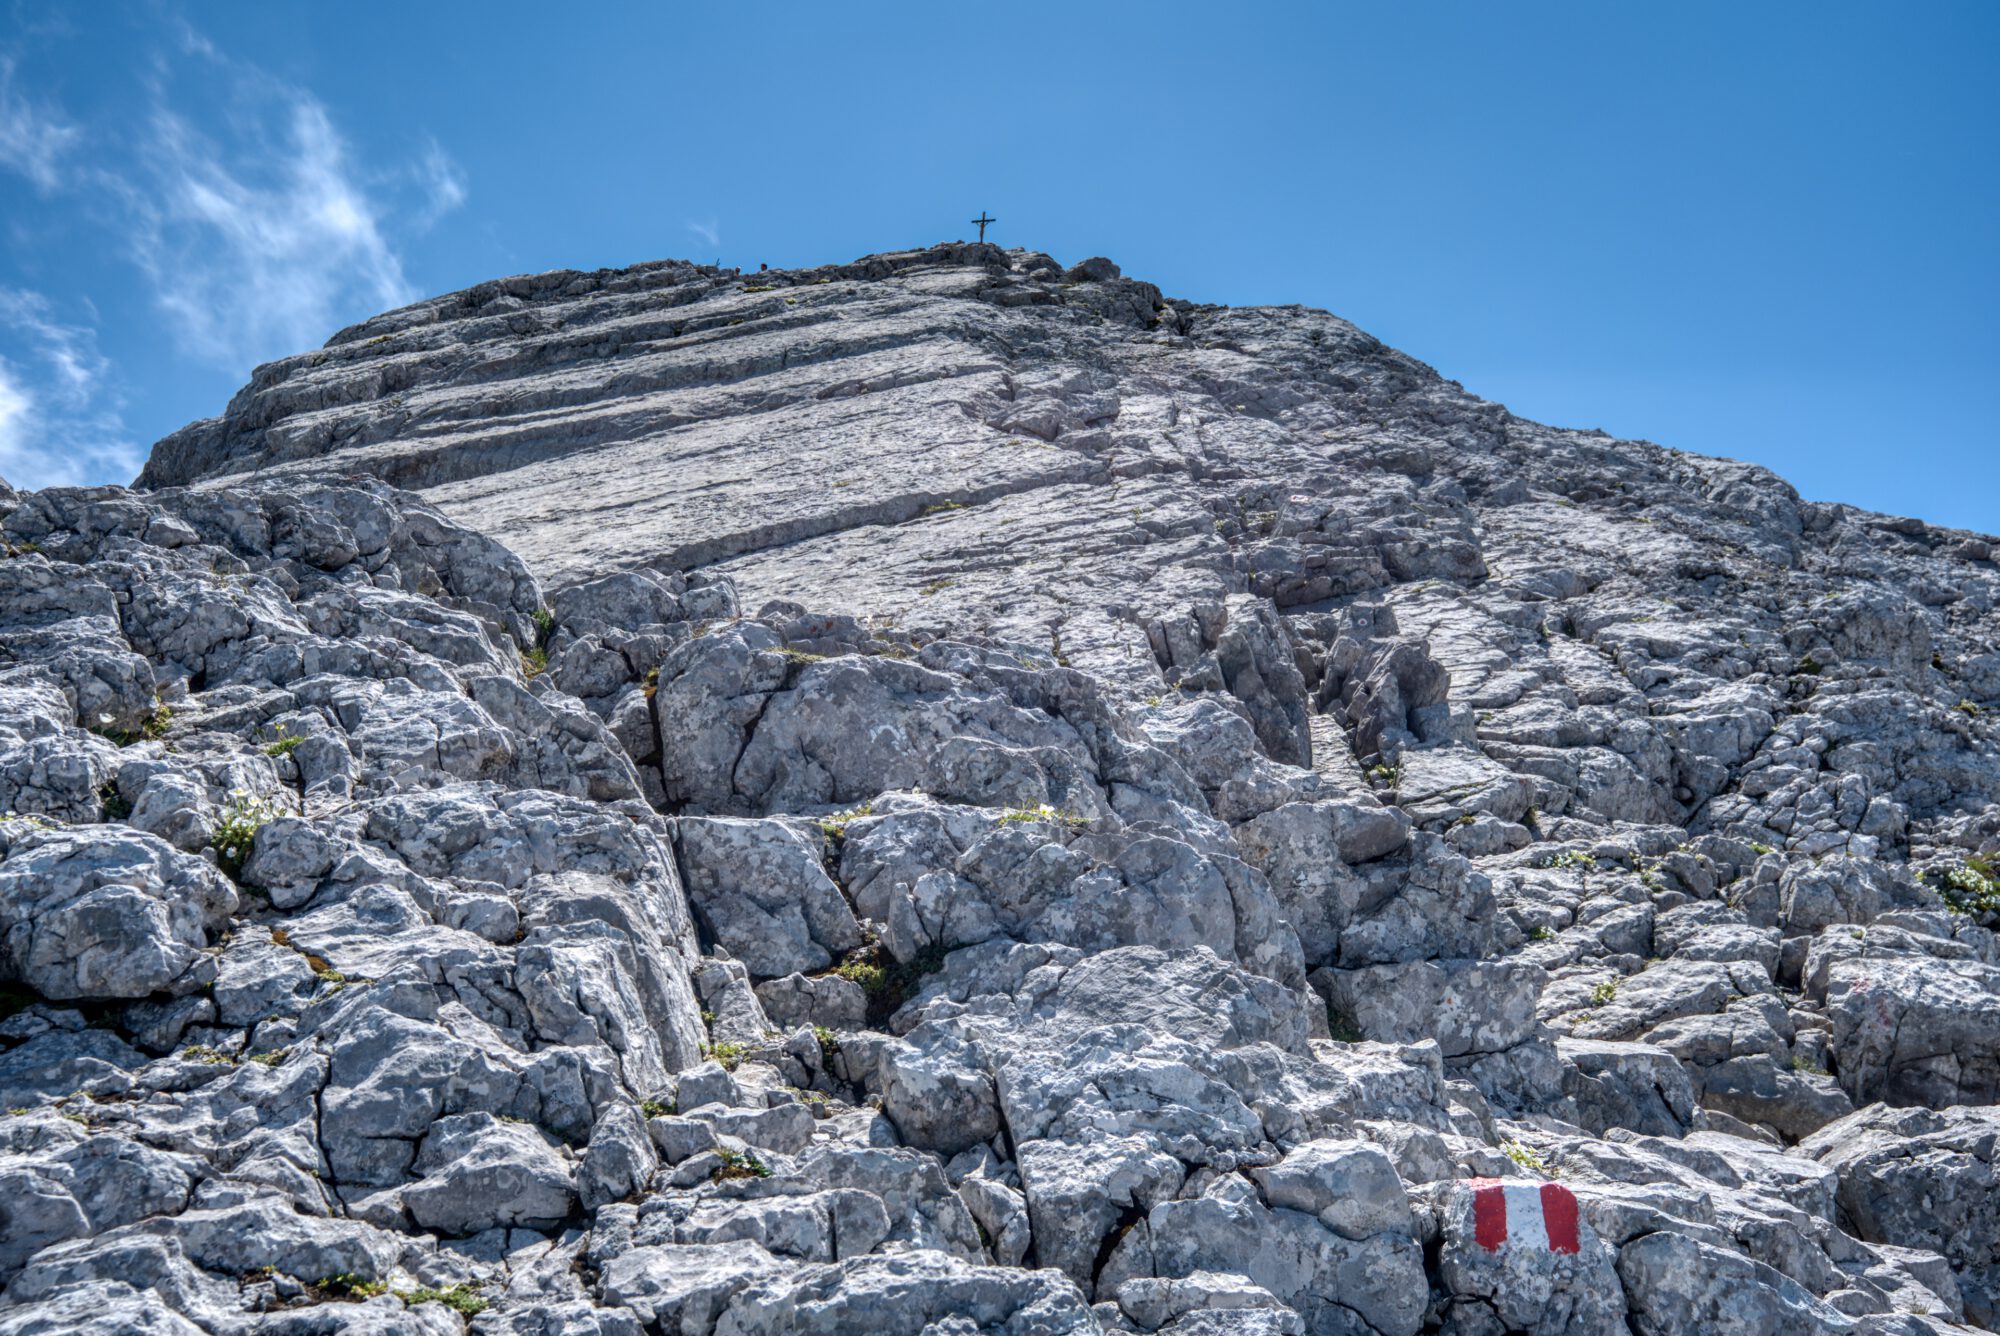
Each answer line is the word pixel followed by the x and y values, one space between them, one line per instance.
pixel 956 794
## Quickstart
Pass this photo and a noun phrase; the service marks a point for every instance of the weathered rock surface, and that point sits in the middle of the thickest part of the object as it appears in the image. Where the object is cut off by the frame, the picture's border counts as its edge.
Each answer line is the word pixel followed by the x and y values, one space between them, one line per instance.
pixel 988 801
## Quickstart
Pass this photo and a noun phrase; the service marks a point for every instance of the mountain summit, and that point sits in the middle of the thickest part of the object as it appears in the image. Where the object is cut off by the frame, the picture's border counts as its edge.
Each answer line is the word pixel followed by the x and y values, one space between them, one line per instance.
pixel 953 793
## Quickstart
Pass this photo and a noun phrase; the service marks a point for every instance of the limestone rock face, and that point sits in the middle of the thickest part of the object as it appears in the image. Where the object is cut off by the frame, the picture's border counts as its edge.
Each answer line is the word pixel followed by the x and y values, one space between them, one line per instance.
pixel 953 793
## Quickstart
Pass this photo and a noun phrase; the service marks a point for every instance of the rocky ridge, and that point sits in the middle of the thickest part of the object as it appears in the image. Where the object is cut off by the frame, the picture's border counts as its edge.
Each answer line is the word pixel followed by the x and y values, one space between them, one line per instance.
pixel 987 801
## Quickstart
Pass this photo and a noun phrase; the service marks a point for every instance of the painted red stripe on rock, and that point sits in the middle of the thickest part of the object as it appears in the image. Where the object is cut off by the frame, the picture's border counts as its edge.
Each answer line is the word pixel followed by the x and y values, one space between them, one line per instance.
pixel 1489 1215
pixel 1559 1218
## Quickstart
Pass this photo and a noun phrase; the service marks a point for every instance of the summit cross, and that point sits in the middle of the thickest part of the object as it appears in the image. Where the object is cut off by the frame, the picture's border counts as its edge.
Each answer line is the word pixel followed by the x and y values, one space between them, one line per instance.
pixel 982 220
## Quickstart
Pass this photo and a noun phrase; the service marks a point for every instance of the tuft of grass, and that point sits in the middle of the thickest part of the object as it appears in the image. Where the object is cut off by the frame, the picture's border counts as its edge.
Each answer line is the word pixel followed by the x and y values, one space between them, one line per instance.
pixel 729 1054
pixel 347 1285
pixel 1967 708
pixel 740 1164
pixel 828 1043
pixel 151 729
pixel 211 1057
pixel 835 827
pixel 655 1108
pixel 1799 1064
pixel 284 744
pixel 534 662
pixel 461 1298
pixel 1542 933
pixel 937 586
pixel 112 801
pixel 1809 667
pixel 1604 994
pixel 1527 1157
pixel 236 832
pixel 157 723
pixel 888 983
pixel 1043 812
pixel 874 979
pixel 1972 888
pixel 1569 858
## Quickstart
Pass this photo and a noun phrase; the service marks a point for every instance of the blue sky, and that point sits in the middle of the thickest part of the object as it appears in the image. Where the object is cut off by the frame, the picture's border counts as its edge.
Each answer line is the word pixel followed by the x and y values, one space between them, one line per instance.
pixel 1765 231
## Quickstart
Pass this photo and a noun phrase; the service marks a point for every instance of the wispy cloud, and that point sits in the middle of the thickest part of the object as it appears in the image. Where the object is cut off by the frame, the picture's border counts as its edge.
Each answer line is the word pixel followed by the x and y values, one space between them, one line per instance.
pixel 443 184
pixel 33 137
pixel 15 406
pixel 707 231
pixel 256 227
pixel 259 252
pixel 60 422
pixel 259 233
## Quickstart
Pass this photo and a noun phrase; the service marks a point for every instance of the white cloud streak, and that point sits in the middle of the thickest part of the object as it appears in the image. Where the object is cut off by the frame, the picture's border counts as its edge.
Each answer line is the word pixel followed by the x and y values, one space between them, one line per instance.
pixel 443 183
pixel 707 231
pixel 260 253
pixel 15 406
pixel 33 138
pixel 256 230
pixel 60 422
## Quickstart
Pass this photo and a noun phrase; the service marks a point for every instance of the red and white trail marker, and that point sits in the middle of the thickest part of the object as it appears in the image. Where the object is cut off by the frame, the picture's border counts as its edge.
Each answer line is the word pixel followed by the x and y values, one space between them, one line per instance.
pixel 1532 1215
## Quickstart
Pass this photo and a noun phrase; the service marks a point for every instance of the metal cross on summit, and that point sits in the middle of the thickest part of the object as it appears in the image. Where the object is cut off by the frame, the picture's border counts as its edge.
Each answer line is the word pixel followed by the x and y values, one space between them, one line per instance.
pixel 983 220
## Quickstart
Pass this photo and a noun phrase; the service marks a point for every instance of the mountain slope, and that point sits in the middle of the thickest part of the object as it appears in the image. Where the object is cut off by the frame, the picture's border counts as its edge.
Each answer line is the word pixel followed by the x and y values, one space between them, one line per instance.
pixel 992 801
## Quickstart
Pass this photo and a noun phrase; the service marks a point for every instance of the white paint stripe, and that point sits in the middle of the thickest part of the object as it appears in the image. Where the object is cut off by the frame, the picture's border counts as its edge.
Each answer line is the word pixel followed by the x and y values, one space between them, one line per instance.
pixel 1525 1226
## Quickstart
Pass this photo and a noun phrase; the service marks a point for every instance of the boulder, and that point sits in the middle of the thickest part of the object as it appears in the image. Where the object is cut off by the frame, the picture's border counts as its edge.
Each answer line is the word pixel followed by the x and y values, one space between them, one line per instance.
pixel 761 892
pixel 119 915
